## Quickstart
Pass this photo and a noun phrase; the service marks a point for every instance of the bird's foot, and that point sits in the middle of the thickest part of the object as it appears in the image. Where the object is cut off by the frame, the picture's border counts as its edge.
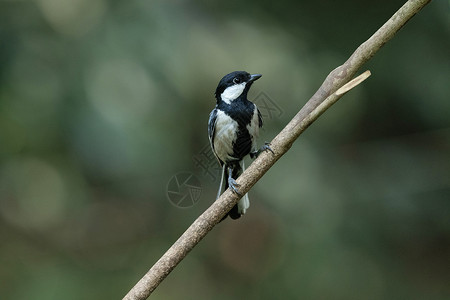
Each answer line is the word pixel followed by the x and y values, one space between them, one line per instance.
pixel 233 185
pixel 265 147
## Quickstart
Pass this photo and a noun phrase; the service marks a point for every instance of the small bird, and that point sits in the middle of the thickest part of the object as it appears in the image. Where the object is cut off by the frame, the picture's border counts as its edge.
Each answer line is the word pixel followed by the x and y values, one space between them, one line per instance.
pixel 233 128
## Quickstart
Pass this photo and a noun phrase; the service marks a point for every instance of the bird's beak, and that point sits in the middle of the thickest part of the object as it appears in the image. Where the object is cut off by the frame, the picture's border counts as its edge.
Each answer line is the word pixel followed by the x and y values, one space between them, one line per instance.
pixel 254 77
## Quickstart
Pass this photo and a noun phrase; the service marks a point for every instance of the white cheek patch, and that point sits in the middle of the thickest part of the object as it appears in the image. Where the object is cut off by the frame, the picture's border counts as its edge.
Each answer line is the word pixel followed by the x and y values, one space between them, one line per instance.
pixel 232 92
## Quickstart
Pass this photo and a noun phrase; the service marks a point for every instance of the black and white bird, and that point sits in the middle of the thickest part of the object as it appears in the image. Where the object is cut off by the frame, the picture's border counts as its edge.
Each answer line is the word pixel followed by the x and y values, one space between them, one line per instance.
pixel 233 128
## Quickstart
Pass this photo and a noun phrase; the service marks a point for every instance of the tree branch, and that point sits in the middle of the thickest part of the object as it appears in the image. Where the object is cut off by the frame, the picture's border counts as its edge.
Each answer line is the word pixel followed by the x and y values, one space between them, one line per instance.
pixel 335 86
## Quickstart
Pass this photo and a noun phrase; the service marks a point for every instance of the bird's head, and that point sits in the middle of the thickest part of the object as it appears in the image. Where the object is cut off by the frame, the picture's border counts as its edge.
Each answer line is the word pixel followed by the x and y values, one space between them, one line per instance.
pixel 234 85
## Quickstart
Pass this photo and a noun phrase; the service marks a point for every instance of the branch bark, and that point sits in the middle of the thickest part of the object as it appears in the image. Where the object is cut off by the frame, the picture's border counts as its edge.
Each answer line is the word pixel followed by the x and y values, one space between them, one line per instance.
pixel 334 87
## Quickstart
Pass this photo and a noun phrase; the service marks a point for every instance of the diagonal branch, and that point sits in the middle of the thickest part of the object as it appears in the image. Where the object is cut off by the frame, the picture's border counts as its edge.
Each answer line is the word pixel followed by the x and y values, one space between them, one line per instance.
pixel 335 86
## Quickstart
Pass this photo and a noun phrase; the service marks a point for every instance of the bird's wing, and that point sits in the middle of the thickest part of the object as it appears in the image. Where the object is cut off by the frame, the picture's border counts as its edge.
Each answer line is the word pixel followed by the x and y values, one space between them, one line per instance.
pixel 212 130
pixel 212 126
pixel 260 118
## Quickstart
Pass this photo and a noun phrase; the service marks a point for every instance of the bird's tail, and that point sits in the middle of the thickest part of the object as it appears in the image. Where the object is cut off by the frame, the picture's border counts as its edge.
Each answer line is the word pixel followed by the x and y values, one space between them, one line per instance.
pixel 223 182
pixel 244 203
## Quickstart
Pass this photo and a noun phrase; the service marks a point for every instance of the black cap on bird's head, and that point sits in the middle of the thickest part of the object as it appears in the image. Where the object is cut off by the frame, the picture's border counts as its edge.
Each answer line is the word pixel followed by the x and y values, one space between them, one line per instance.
pixel 235 84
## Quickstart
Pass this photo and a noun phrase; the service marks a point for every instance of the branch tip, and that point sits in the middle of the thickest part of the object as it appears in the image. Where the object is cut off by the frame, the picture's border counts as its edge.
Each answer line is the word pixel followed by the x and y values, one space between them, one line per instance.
pixel 353 83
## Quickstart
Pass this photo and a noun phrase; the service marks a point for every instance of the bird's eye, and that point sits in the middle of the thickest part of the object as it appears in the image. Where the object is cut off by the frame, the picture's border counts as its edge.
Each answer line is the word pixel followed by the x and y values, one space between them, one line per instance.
pixel 236 80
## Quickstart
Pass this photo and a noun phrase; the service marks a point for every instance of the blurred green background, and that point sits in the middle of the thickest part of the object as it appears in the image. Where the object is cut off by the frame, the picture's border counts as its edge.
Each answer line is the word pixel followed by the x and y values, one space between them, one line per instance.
pixel 103 102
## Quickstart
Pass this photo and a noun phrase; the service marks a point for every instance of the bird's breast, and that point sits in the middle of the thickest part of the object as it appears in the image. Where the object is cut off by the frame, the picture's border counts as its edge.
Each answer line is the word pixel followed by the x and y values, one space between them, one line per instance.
pixel 225 136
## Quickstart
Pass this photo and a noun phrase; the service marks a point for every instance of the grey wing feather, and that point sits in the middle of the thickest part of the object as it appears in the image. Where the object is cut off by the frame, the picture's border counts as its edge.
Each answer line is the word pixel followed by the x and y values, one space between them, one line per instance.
pixel 211 131
pixel 212 127
pixel 260 119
